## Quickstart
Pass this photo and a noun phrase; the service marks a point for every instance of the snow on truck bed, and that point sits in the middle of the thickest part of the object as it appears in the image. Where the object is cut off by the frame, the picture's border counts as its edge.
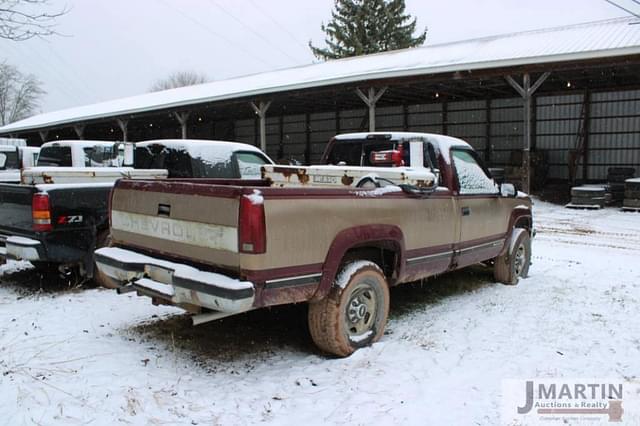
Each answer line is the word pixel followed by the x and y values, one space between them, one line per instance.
pixel 98 358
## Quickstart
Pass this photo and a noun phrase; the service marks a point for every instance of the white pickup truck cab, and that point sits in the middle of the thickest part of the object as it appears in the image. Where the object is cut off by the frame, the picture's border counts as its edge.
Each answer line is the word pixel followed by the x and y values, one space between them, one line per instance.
pixel 81 153
pixel 13 159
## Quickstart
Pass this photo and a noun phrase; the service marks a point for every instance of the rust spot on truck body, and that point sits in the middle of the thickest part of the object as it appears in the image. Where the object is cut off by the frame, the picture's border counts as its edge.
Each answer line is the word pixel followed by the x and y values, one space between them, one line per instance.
pixel 347 180
pixel 282 296
pixel 288 172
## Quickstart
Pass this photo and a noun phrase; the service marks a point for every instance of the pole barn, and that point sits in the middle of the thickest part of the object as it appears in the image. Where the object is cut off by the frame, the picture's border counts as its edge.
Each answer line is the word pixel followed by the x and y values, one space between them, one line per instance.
pixel 563 103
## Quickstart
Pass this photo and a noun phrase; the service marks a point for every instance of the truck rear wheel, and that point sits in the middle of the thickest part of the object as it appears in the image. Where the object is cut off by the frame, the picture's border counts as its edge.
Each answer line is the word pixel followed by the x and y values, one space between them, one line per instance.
pixel 354 313
pixel 514 263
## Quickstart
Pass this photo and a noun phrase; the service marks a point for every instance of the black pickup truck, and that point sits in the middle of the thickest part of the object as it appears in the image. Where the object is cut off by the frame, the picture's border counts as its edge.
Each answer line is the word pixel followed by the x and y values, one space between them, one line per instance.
pixel 59 225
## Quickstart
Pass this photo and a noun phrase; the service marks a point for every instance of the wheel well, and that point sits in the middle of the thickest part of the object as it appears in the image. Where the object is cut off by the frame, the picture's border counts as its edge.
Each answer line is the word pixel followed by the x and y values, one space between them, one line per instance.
pixel 384 254
pixel 524 222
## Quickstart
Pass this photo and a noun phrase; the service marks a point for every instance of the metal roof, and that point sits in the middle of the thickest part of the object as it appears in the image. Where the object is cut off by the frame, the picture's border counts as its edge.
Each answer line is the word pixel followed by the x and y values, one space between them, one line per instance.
pixel 594 40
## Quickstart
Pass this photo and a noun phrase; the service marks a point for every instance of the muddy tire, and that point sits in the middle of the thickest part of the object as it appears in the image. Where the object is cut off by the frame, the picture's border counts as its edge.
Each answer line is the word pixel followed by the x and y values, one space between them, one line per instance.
pixel 514 264
pixel 354 313
pixel 102 280
pixel 45 267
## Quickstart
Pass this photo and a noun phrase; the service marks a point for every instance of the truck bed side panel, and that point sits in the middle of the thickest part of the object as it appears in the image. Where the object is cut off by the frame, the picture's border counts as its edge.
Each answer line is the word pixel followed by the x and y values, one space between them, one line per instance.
pixel 304 228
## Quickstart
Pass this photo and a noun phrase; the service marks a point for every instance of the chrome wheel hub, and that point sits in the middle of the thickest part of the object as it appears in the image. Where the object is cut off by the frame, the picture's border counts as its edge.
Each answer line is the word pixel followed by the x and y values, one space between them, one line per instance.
pixel 361 310
pixel 519 260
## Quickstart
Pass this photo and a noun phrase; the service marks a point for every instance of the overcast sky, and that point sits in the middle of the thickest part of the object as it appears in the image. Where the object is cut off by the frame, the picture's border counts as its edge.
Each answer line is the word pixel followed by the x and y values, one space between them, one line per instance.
pixel 119 48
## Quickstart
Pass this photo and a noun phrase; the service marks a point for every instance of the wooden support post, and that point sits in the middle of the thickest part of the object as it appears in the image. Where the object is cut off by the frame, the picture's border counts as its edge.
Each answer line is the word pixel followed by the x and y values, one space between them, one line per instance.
pixel 307 150
pixel 256 131
pixel 261 111
pixel 281 141
pixel 405 117
pixel 487 132
pixel 79 128
pixel 370 100
pixel 526 91
pixel 123 124
pixel 587 133
pixel 183 119
pixel 445 117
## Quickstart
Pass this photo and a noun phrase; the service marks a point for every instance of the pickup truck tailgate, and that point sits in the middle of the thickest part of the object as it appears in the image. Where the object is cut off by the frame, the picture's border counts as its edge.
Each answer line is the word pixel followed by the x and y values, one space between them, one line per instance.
pixel 166 217
pixel 15 208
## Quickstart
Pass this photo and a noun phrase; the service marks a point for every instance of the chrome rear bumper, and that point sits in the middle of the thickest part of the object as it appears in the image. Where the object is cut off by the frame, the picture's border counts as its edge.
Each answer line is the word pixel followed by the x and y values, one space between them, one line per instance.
pixel 174 282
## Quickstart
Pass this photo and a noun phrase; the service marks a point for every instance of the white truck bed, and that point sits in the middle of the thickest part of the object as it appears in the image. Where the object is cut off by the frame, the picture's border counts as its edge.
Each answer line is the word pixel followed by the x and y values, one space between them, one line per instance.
pixel 71 175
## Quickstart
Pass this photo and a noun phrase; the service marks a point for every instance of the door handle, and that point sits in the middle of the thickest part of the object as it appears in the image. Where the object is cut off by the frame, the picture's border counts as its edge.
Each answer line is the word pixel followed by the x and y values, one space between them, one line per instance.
pixel 466 211
pixel 164 210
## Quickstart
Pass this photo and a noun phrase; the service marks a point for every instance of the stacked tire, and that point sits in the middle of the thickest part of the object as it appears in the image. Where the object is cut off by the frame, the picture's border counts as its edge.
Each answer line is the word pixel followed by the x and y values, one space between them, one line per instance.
pixel 587 196
pixel 632 194
pixel 616 177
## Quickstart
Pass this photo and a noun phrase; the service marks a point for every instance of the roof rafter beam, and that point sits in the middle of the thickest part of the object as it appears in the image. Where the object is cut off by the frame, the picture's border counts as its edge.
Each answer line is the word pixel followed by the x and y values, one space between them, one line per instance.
pixel 261 111
pixel 370 101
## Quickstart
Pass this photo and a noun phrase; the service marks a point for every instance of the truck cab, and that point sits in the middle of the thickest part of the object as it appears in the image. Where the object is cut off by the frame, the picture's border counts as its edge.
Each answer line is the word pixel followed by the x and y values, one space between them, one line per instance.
pixel 15 158
pixel 9 163
pixel 80 153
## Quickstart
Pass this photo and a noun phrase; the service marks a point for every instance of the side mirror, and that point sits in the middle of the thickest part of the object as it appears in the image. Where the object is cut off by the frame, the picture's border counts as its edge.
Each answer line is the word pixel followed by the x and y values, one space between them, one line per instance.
pixel 3 160
pixel 508 190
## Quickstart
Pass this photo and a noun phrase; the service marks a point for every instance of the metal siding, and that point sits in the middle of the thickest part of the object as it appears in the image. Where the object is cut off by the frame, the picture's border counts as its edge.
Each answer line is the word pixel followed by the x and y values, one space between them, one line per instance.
pixel 615 132
pixel 558 122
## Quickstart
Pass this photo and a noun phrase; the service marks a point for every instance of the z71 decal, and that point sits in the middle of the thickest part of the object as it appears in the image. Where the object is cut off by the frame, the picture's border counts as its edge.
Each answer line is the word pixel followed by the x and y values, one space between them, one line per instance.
pixel 66 220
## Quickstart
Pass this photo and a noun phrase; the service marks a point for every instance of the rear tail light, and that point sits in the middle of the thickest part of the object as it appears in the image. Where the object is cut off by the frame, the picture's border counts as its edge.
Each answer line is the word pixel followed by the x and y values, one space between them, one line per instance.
pixel 41 212
pixel 252 232
pixel 393 157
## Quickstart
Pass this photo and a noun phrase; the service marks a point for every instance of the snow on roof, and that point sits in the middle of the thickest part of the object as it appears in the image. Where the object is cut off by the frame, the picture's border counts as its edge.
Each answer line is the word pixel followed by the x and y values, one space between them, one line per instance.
pixel 394 135
pixel 199 143
pixel 208 150
pixel 81 143
pixel 601 39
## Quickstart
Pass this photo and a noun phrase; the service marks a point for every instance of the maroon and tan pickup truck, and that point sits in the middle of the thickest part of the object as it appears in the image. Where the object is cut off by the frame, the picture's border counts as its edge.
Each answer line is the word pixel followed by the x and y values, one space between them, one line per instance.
pixel 217 248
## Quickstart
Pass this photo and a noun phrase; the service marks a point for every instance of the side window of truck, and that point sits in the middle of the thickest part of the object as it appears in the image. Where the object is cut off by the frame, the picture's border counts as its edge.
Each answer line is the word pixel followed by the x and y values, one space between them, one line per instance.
pixel 471 176
pixel 249 165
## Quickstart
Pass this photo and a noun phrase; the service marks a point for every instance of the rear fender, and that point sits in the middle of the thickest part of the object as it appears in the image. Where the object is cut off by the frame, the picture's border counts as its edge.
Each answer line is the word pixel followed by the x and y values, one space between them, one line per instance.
pixel 520 218
pixel 384 236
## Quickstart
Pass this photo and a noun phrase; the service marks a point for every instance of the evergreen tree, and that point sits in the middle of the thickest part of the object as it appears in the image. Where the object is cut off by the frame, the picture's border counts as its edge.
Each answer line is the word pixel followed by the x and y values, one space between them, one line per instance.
pixel 360 27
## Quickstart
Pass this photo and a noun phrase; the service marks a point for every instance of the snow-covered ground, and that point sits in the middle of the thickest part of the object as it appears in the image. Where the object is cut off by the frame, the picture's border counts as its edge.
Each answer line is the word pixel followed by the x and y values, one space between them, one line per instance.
pixel 93 357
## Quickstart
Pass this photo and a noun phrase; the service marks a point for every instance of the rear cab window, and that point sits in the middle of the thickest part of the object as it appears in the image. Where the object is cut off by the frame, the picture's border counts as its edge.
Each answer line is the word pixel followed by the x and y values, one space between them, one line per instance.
pixel 11 160
pixel 55 156
pixel 103 156
pixel 357 152
pixel 157 156
pixel 213 163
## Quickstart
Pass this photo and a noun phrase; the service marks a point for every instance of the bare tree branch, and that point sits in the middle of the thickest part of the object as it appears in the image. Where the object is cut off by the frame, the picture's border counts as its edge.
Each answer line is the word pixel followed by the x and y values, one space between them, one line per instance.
pixel 179 79
pixel 19 94
pixel 22 20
